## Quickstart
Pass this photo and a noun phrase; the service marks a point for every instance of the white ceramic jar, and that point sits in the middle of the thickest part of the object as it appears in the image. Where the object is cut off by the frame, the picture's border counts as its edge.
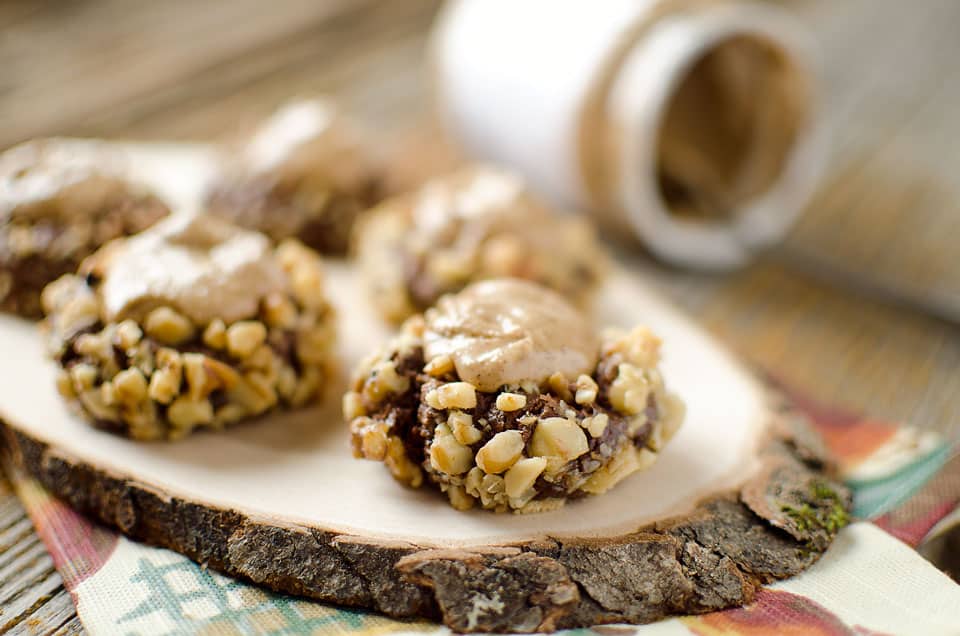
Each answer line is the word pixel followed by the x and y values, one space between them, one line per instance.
pixel 688 124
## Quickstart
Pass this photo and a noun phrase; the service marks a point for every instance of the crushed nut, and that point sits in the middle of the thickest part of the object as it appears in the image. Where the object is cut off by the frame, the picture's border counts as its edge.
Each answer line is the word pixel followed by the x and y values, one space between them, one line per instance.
pixel 461 425
pixel 128 334
pixel 185 413
pixel 83 376
pixel 453 395
pixel 352 406
pixel 386 380
pixel 560 385
pixel 472 481
pixel 168 326
pixel 278 311
pixel 215 335
pixel 108 394
pixel 400 466
pixel 447 455
pixel 542 505
pixel 313 344
pixel 586 390
pixel 244 337
pixel 263 388
pixel 286 382
pixel 130 386
pixel 623 464
pixel 142 357
pixel 628 392
pixel 65 385
pixel 228 414
pixel 596 424
pixel 369 438
pixel 511 401
pixel 439 366
pixel 98 346
pixel 308 387
pixel 501 452
pixel 459 499
pixel 558 437
pixel 264 360
pixel 196 375
pixel 142 419
pixel 93 345
pixel 205 375
pixel 305 272
pixel 93 401
pixel 522 475
pixel 165 381
pixel 639 346
pixel 492 484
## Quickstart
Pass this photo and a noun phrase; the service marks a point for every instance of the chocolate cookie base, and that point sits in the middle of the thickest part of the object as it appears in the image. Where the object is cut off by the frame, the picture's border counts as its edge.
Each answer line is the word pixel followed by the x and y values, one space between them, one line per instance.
pixel 320 220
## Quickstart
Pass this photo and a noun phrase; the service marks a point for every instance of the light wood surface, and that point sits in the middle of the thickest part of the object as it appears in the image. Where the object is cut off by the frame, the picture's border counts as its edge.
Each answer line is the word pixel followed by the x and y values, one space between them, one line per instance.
pixel 846 310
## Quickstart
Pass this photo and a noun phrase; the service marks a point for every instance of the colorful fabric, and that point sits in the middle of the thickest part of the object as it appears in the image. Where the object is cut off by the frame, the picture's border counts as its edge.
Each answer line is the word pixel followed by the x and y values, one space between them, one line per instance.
pixel 870 582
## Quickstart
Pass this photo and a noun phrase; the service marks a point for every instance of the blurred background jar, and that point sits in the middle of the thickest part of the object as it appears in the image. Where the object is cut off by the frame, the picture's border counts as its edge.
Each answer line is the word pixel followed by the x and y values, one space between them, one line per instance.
pixel 690 125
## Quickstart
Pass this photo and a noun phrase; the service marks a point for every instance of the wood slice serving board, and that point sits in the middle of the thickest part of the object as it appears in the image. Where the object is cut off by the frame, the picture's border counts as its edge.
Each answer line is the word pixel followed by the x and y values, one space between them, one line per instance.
pixel 738 498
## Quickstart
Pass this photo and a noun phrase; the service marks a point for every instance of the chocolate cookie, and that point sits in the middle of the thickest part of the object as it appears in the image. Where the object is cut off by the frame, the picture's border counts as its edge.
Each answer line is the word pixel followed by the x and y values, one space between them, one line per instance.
pixel 502 396
pixel 303 174
pixel 61 199
pixel 193 323
pixel 477 224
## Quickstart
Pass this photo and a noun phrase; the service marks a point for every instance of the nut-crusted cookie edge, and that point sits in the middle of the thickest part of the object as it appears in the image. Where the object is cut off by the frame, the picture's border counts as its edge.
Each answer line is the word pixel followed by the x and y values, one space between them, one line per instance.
pixel 164 376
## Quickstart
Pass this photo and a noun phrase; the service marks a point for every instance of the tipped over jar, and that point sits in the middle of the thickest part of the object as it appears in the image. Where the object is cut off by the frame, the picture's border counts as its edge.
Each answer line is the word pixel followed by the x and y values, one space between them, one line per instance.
pixel 688 125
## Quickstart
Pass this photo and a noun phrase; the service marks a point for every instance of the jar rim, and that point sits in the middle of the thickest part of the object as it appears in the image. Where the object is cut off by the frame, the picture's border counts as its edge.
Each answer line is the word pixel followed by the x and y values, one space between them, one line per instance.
pixel 649 76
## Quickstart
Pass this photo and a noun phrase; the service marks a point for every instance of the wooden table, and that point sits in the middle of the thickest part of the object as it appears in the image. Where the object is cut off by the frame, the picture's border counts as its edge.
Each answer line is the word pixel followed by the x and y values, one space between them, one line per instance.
pixel 857 308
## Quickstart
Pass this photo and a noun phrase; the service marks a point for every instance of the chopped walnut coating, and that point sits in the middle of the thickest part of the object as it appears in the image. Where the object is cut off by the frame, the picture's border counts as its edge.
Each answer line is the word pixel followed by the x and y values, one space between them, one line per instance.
pixel 520 448
pixel 477 224
pixel 59 202
pixel 166 377
pixel 303 174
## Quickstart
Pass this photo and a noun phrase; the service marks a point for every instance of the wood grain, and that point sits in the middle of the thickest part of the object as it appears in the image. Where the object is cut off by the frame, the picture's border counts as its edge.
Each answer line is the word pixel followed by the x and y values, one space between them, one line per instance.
pixel 32 596
pixel 887 218
pixel 711 557
pixel 842 310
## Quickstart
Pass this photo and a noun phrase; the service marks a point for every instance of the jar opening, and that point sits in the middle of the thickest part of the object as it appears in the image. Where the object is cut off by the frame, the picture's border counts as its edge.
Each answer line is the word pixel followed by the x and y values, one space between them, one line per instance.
pixel 728 128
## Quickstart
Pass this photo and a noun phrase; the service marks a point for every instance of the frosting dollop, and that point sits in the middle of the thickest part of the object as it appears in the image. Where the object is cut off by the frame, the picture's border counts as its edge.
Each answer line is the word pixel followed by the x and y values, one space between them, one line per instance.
pixel 287 130
pixel 509 331
pixel 480 195
pixel 85 172
pixel 203 267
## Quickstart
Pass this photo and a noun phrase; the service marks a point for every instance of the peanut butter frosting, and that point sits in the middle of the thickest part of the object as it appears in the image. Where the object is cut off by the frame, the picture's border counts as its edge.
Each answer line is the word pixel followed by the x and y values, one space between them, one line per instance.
pixel 473 195
pixel 308 141
pixel 202 266
pixel 467 209
pixel 286 131
pixel 83 172
pixel 509 331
